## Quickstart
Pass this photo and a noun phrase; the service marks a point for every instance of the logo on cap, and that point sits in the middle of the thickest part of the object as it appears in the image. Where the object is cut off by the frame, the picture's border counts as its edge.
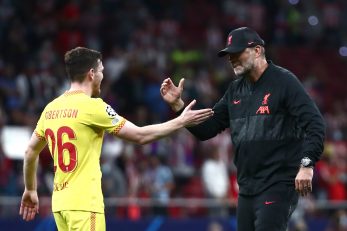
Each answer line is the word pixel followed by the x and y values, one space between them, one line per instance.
pixel 229 40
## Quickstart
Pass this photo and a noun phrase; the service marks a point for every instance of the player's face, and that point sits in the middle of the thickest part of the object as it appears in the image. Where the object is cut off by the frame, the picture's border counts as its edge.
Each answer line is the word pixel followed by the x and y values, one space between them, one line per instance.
pixel 98 76
pixel 242 62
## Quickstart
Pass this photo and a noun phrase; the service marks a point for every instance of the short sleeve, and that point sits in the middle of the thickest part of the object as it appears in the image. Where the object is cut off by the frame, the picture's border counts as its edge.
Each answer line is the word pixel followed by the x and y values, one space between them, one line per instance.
pixel 106 118
pixel 39 130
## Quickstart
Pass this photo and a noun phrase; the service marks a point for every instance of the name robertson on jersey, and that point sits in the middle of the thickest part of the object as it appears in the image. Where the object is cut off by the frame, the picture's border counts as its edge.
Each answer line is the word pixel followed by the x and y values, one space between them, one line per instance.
pixel 62 113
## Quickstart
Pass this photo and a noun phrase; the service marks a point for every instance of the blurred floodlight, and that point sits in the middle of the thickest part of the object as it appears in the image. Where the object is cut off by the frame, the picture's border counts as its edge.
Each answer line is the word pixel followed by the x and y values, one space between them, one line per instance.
pixel 343 51
pixel 14 140
pixel 313 20
pixel 293 2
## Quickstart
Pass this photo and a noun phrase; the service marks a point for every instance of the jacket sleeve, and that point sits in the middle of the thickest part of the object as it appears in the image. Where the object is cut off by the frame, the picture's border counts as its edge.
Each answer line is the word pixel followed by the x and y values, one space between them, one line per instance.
pixel 216 124
pixel 308 117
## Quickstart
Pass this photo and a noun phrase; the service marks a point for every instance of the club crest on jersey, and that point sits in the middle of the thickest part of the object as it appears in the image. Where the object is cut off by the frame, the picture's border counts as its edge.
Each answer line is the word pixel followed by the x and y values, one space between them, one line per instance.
pixel 264 108
pixel 110 111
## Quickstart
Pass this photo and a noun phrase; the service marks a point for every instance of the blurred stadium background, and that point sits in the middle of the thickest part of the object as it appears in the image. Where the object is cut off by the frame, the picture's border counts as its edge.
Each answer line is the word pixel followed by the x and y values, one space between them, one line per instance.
pixel 163 185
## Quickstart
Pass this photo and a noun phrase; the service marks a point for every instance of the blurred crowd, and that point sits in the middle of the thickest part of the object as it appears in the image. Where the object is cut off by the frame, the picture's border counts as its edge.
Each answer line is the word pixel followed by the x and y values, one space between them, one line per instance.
pixel 145 41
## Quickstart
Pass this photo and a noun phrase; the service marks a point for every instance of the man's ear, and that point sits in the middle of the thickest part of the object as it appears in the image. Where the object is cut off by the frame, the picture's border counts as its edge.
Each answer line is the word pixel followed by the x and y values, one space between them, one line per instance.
pixel 258 50
pixel 91 73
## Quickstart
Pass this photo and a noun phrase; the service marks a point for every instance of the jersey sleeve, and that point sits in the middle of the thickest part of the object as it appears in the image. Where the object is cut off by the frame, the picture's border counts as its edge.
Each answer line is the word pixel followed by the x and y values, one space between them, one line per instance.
pixel 106 118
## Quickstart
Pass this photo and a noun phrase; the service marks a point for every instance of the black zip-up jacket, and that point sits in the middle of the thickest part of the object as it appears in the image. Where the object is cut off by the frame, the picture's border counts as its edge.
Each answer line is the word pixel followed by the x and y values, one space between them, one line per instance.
pixel 273 123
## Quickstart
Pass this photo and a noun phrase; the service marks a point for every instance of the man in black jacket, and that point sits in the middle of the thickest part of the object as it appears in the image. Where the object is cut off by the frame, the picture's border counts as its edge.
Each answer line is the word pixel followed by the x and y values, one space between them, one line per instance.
pixel 276 129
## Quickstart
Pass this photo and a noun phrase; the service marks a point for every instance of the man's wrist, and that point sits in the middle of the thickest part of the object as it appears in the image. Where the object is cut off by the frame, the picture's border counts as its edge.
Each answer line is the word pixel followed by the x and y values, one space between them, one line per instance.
pixel 177 107
pixel 306 162
pixel 311 167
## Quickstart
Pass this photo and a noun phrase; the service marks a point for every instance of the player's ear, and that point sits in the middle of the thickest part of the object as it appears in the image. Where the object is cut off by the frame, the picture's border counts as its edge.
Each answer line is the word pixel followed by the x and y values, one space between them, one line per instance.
pixel 91 73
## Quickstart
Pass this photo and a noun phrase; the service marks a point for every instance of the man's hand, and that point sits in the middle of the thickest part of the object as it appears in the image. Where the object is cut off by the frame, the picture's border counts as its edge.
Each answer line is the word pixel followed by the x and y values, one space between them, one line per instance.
pixel 303 181
pixel 29 205
pixel 172 94
pixel 193 117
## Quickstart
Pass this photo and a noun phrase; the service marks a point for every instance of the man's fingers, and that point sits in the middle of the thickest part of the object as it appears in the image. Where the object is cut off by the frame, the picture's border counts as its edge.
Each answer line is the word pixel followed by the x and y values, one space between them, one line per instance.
pixel 190 105
pixel 303 187
pixel 33 212
pixel 28 212
pixel 166 84
pixel 302 190
pixel 202 119
pixel 21 210
pixel 297 185
pixel 163 89
pixel 181 83
pixel 25 212
pixel 203 114
pixel 200 116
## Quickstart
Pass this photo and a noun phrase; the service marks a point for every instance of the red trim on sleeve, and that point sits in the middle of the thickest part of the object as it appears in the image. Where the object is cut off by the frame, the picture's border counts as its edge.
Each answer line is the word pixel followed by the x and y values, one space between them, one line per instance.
pixel 39 136
pixel 119 127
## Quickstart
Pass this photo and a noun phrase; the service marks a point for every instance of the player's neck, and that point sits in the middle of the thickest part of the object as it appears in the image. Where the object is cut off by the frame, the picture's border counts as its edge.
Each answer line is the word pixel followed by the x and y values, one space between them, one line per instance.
pixel 81 87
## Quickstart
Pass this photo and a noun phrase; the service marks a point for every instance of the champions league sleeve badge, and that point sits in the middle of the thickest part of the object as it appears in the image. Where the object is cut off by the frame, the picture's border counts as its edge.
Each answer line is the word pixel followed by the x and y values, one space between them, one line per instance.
pixel 110 111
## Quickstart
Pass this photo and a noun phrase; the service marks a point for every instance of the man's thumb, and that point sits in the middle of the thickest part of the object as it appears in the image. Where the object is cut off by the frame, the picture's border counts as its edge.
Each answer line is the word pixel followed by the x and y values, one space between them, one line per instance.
pixel 191 104
pixel 181 83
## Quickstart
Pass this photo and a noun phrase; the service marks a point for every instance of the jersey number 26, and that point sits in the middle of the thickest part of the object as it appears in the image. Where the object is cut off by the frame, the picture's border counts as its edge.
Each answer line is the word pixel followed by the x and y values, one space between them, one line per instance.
pixel 70 148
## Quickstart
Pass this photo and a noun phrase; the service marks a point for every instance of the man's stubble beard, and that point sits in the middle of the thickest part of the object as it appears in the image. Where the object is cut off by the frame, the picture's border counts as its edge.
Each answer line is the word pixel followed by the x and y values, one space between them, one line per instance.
pixel 246 68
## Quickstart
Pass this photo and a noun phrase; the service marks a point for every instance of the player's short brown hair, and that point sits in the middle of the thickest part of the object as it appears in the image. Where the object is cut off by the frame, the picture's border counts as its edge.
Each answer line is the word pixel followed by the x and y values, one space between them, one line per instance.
pixel 79 61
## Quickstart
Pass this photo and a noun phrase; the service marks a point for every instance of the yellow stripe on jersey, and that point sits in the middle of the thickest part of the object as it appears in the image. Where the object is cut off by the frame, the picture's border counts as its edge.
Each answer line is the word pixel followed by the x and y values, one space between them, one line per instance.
pixel 73 126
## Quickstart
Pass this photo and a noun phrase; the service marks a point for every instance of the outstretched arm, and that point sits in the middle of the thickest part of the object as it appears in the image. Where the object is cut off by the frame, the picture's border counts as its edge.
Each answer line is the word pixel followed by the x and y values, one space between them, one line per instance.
pixel 146 134
pixel 30 202
pixel 218 122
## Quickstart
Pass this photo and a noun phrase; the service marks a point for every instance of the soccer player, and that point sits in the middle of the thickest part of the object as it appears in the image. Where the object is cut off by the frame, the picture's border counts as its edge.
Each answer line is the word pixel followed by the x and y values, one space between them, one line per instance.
pixel 276 128
pixel 73 126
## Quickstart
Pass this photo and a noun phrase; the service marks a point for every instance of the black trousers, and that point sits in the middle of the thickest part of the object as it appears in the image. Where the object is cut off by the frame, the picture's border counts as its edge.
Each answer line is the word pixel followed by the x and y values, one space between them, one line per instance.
pixel 267 211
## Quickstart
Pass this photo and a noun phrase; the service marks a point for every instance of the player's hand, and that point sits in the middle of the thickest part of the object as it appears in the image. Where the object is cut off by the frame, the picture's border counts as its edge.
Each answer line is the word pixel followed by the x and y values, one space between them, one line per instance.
pixel 193 117
pixel 303 181
pixel 172 94
pixel 29 205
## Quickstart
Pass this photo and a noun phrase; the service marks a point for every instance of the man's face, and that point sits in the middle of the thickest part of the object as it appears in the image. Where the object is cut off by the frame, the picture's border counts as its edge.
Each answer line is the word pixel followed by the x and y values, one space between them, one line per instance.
pixel 243 61
pixel 98 76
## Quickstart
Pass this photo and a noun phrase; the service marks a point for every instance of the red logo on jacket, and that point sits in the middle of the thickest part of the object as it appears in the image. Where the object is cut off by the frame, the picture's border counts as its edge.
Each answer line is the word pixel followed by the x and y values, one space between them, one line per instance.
pixel 264 108
pixel 266 98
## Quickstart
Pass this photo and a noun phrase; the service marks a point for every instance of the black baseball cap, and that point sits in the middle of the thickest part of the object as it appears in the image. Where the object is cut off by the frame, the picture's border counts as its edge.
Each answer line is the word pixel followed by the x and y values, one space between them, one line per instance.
pixel 239 39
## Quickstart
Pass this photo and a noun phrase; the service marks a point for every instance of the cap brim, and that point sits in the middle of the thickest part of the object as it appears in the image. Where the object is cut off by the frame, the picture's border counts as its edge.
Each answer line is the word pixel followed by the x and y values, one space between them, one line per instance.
pixel 230 50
